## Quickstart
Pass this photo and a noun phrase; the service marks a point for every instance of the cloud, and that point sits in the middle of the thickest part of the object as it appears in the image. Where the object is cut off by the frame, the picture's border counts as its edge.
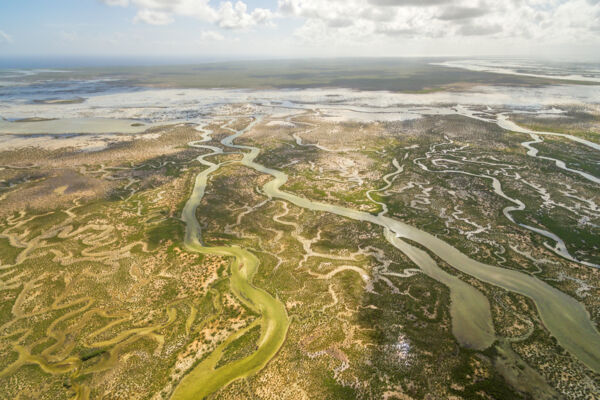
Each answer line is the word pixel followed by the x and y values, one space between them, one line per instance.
pixel 211 36
pixel 236 16
pixel 396 31
pixel 459 13
pixel 479 30
pixel 229 15
pixel 5 37
pixel 358 20
pixel 153 17
pixel 405 3
pixel 383 24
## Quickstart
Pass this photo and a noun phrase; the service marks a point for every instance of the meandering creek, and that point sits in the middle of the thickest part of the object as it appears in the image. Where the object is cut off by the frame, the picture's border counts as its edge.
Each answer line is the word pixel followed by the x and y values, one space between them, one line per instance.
pixel 565 318
pixel 206 378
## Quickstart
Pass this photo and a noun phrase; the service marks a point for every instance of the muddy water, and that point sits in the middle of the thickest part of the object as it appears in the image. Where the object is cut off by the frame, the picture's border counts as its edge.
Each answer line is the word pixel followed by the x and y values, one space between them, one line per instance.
pixel 206 378
pixel 74 126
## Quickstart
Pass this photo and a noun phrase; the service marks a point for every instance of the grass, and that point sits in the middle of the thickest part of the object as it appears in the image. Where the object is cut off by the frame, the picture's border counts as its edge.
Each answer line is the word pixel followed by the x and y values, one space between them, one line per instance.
pixel 241 347
pixel 8 253
pixel 336 391
pixel 170 229
pixel 88 355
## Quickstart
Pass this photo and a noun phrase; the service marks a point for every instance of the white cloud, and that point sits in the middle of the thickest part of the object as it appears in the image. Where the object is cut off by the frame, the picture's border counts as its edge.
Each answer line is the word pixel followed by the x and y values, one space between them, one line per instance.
pixel 479 30
pixel 389 27
pixel 5 37
pixel 211 36
pixel 352 20
pixel 153 17
pixel 229 15
pixel 232 16
pixel 454 13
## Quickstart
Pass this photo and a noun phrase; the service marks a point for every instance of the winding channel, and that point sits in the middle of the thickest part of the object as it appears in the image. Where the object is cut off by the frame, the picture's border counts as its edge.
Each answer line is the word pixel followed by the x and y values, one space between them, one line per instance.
pixel 566 319
pixel 206 378
pixel 560 248
pixel 505 123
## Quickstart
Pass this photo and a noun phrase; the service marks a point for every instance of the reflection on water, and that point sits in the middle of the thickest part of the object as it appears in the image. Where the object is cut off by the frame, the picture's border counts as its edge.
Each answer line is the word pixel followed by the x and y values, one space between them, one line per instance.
pixel 73 125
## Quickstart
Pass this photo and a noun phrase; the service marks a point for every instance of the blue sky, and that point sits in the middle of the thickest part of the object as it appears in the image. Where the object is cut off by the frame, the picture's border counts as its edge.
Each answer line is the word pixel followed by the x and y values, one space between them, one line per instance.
pixel 299 28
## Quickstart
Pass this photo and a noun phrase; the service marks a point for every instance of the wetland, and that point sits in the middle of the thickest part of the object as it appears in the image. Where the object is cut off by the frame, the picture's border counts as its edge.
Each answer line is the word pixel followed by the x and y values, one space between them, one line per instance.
pixel 312 238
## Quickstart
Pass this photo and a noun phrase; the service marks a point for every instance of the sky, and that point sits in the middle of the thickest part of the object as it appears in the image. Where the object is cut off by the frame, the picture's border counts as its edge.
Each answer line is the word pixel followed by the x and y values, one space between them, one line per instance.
pixel 204 29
